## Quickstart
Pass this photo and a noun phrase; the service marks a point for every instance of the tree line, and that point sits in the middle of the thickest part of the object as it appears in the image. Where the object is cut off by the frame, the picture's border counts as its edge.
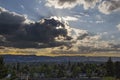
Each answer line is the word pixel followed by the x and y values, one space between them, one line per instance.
pixel 60 70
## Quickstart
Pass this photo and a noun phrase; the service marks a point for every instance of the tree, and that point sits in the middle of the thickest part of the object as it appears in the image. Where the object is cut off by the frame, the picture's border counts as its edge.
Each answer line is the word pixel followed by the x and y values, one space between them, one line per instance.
pixel 76 71
pixel 26 69
pixel 109 67
pixel 117 69
pixel 3 69
pixel 18 66
pixel 60 73
pixel 89 72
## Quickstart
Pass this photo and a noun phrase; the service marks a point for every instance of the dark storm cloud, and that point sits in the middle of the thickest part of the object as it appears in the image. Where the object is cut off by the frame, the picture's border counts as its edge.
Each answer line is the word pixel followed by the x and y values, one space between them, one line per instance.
pixel 17 31
pixel 9 21
pixel 45 30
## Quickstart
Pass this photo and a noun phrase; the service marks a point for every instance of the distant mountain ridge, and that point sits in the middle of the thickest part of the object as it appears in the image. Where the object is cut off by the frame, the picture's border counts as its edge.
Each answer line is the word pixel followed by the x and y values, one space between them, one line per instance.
pixel 33 58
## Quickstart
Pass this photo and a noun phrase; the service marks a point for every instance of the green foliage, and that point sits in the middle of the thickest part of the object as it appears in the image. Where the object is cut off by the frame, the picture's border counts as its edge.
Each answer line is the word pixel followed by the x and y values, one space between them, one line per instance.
pixel 89 72
pixel 109 78
pixel 109 67
pixel 76 71
pixel 13 75
pixel 3 69
pixel 60 73
pixel 25 69
pixel 107 70
pixel 117 69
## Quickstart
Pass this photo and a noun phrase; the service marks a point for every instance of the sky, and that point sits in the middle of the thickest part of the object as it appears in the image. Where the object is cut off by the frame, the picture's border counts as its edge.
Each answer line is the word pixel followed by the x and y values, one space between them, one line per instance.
pixel 89 24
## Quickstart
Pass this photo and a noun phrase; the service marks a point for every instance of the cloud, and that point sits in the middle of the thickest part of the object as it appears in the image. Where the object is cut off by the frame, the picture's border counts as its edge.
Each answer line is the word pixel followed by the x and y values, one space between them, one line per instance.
pixel 69 18
pixel 63 4
pixel 10 22
pixel 51 29
pixel 83 42
pixel 86 40
pixel 89 3
pixel 90 44
pixel 54 33
pixel 109 6
pixel 118 26
pixel 50 32
pixel 2 39
pixel 22 7
pixel 99 22
pixel 104 6
pixel 78 34
pixel 17 29
pixel 66 18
